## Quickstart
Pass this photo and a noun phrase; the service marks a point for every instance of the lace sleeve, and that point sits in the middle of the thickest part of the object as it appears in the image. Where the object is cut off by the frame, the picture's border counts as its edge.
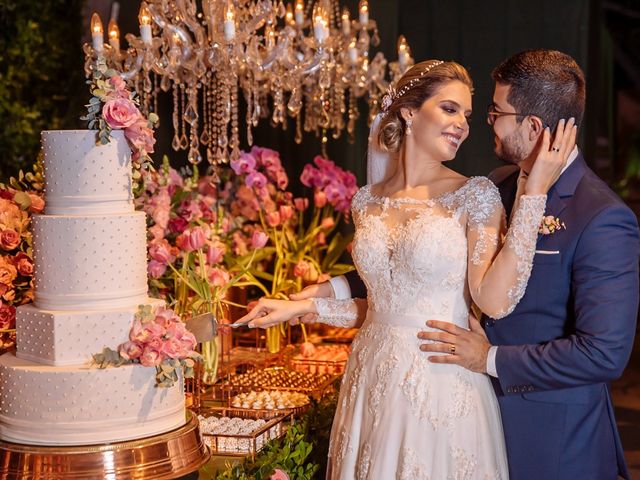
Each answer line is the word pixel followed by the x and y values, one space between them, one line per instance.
pixel 498 275
pixel 348 313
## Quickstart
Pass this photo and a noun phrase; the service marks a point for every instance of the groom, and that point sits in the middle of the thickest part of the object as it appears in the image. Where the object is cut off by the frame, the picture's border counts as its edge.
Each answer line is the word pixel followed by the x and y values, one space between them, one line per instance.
pixel 551 359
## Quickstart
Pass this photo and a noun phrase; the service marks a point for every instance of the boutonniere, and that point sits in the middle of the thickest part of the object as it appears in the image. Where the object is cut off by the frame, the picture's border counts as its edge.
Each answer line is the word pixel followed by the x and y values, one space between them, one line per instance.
pixel 550 224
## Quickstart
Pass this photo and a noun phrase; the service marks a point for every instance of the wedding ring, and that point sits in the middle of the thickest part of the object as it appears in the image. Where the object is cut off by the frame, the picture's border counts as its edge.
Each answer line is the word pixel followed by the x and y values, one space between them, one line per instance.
pixel 452 349
pixel 555 149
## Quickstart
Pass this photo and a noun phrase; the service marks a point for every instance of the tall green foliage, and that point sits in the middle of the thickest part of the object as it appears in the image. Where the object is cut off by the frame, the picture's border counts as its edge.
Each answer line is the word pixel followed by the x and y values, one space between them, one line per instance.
pixel 41 75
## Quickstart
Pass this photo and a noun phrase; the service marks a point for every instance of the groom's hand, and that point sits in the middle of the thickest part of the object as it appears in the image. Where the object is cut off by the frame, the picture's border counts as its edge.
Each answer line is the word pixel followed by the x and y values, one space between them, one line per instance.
pixel 467 348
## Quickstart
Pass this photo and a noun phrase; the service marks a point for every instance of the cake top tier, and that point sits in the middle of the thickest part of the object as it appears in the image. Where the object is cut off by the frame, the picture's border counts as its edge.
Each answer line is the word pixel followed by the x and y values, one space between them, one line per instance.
pixel 82 178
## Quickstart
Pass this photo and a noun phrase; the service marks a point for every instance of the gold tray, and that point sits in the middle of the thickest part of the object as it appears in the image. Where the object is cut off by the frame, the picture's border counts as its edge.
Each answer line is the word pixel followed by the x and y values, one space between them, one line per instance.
pixel 242 445
pixel 166 456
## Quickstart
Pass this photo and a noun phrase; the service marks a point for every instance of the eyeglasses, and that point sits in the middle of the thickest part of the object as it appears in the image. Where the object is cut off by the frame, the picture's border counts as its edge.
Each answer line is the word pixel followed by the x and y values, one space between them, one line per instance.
pixel 492 114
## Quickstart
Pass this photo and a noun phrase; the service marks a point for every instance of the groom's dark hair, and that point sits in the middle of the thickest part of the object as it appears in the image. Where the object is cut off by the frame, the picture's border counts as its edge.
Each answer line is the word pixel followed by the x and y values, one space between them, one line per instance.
pixel 547 83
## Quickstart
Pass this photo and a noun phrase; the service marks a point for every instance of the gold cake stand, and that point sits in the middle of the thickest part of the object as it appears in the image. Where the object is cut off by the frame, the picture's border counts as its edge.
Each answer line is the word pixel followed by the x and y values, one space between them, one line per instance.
pixel 167 456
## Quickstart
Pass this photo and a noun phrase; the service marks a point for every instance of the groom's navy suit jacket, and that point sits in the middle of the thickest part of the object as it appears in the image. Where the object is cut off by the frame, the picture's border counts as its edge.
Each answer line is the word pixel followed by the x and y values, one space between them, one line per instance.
pixel 569 336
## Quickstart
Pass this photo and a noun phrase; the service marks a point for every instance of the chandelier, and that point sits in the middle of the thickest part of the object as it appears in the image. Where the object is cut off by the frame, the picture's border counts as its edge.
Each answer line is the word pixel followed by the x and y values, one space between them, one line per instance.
pixel 309 62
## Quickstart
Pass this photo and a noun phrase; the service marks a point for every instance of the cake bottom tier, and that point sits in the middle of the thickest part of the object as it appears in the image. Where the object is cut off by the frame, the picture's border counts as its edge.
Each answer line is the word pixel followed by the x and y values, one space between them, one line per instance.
pixel 83 405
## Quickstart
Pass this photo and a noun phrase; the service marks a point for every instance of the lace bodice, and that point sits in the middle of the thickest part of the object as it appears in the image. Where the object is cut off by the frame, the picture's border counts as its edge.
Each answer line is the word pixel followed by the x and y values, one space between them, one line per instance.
pixel 431 258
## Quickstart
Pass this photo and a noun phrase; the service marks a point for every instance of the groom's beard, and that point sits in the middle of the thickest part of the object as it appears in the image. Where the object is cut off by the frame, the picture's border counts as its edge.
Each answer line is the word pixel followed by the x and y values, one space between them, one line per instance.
pixel 510 149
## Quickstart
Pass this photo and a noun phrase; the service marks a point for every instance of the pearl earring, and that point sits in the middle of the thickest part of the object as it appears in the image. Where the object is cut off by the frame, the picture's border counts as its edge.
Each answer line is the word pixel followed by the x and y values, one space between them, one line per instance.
pixel 409 123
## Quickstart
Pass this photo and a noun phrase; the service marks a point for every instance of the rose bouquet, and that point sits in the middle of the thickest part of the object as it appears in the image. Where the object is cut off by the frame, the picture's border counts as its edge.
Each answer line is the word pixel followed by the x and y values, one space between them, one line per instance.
pixel 156 339
pixel 114 107
pixel 19 199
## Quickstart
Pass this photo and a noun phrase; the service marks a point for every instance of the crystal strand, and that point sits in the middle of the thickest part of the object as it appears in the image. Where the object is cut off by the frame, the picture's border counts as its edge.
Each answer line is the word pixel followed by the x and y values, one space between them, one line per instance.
pixel 204 136
pixel 213 133
pixel 191 116
pixel 235 140
pixel 184 141
pixel 298 136
pixel 247 98
pixel 156 90
pixel 353 115
pixel 175 143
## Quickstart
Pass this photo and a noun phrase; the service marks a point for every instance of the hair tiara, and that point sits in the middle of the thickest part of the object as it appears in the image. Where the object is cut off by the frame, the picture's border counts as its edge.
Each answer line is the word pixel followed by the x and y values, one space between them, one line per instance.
pixel 392 95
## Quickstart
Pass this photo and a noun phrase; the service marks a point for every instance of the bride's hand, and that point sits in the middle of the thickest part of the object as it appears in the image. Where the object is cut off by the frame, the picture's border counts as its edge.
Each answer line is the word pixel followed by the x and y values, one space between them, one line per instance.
pixel 269 312
pixel 552 157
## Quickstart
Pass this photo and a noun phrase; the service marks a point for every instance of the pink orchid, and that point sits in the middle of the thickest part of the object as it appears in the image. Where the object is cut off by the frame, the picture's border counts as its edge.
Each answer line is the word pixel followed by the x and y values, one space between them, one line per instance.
pixel 246 163
pixel 256 180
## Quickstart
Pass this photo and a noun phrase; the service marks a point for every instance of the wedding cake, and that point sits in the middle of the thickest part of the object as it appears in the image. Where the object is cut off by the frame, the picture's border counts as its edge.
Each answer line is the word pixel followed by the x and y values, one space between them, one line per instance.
pixel 89 252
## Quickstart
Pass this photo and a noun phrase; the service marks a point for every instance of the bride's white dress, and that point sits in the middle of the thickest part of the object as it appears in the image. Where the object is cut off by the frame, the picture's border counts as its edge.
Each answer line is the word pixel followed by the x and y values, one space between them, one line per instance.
pixel 398 415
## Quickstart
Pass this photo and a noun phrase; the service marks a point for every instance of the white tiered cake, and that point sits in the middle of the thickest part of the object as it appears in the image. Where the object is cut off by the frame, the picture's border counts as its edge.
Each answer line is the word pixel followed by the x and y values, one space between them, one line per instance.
pixel 90 277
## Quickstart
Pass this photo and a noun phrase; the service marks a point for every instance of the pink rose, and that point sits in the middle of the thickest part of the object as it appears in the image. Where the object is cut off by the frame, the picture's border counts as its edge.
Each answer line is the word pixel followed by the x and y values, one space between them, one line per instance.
pixel 179 332
pixel 130 350
pixel 218 277
pixel 118 83
pixel 156 269
pixel 259 239
pixel 150 357
pixel 37 203
pixel 140 135
pixel 273 219
pixel 172 348
pixel 256 180
pixel 9 239
pixel 7 316
pixel 8 271
pixel 24 265
pixel 279 475
pixel 120 113
pixel 319 199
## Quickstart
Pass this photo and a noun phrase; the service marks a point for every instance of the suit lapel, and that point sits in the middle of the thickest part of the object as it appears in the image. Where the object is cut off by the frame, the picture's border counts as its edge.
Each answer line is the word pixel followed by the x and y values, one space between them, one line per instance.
pixel 558 195
pixel 562 191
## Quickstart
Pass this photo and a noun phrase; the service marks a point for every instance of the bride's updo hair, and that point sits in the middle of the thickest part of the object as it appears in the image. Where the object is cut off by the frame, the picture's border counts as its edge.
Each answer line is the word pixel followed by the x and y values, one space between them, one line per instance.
pixel 416 86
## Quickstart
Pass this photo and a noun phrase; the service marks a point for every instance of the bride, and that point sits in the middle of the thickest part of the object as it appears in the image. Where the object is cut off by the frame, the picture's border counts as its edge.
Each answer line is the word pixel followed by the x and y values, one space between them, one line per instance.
pixel 428 242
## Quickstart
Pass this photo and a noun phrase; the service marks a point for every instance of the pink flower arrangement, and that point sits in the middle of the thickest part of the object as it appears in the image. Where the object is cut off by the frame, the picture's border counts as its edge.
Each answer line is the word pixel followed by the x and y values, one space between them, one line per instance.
pixel 114 107
pixel 158 338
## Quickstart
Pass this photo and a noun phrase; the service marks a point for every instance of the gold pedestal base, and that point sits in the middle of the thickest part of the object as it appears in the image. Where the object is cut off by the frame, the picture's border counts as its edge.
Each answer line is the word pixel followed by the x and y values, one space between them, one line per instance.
pixel 166 456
